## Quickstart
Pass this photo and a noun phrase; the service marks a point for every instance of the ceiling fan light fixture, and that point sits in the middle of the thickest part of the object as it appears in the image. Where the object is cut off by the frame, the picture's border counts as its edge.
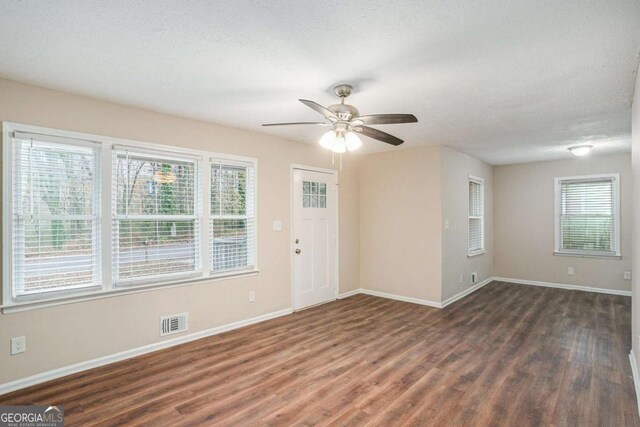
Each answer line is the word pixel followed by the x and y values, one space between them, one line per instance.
pixel 580 150
pixel 328 140
pixel 352 141
pixel 340 144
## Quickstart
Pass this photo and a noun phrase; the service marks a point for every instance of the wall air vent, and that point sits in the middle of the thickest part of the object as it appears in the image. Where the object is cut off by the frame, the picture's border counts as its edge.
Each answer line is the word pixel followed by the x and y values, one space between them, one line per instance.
pixel 174 324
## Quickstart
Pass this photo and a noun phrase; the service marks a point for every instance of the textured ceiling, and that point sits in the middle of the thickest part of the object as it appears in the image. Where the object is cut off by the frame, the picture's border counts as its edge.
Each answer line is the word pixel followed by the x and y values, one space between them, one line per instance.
pixel 505 81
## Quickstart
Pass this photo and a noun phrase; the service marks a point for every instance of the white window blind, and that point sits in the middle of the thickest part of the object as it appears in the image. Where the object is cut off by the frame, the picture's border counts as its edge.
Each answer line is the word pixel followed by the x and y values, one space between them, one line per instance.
pixel 161 229
pixel 476 216
pixel 232 221
pixel 55 215
pixel 587 215
pixel 156 219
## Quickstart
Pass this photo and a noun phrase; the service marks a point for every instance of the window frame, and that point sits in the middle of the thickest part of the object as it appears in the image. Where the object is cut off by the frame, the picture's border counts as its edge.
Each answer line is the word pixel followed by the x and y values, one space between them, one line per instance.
pixel 253 252
pixel 483 249
pixel 157 155
pixel 10 294
pixel 558 250
pixel 104 171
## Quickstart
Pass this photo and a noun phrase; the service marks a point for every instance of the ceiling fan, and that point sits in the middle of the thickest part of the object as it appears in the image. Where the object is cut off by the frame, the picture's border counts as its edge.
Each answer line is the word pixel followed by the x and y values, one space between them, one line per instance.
pixel 346 122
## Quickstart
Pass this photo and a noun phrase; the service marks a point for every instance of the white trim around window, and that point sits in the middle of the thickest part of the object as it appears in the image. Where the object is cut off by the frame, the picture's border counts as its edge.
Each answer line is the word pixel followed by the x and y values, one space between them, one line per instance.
pixel 475 226
pixel 188 224
pixel 607 204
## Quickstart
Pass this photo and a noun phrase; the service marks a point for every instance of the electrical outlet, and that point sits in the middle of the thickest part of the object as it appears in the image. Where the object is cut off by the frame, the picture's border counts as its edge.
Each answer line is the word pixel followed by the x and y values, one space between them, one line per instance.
pixel 446 224
pixel 570 271
pixel 252 296
pixel 18 345
pixel 627 275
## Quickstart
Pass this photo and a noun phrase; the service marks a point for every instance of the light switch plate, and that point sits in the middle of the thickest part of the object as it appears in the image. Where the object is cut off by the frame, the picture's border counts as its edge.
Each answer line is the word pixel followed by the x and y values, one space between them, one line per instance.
pixel 570 271
pixel 277 225
pixel 627 275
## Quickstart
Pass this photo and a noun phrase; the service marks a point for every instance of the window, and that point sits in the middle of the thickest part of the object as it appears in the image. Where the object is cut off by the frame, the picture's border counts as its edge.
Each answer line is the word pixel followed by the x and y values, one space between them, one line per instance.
pixel 155 228
pixel 232 228
pixel 476 216
pixel 314 194
pixel 55 225
pixel 174 215
pixel 587 219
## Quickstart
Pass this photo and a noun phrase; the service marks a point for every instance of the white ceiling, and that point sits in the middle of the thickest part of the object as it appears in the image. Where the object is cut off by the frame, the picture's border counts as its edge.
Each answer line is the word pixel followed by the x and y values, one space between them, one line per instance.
pixel 505 81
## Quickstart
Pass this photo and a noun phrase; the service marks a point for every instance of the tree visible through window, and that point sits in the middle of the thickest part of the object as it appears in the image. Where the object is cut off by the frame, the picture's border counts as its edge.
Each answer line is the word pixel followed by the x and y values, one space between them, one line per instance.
pixel 157 223
pixel 232 216
pixel 160 201
pixel 55 217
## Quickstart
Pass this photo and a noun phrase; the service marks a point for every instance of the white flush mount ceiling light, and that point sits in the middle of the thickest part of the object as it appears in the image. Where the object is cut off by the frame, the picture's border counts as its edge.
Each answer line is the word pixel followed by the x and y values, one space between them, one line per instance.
pixel 581 150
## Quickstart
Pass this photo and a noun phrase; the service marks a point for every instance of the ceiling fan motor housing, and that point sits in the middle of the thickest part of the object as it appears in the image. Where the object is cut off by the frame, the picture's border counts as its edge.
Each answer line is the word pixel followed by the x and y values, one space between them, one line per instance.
pixel 344 111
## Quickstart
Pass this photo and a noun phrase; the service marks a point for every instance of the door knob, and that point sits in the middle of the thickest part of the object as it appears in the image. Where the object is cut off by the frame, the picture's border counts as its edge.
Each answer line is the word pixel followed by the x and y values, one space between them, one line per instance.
pixel 298 251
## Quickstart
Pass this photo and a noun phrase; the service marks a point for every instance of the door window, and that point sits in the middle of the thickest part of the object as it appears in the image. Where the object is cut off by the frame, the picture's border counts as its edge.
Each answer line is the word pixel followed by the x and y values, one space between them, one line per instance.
pixel 314 194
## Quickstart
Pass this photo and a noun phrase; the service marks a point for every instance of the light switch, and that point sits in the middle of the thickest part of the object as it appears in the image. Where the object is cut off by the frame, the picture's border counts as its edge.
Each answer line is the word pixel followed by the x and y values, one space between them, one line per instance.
pixel 277 225
pixel 570 271
pixel 446 224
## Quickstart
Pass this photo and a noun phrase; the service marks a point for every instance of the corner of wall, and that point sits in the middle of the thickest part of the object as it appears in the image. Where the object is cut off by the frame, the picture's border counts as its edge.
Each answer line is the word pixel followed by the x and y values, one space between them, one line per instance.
pixel 635 164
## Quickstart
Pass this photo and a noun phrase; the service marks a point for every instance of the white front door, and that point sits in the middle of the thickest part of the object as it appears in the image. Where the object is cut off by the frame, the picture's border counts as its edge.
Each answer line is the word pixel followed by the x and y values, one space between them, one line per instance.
pixel 315 237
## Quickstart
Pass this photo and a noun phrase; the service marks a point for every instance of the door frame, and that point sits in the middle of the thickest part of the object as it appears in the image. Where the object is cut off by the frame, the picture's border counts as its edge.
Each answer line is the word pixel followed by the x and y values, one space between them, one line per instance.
pixel 333 172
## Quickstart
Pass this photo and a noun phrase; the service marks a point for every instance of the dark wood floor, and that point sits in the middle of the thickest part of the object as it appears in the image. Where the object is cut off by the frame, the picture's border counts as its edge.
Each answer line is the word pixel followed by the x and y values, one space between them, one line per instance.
pixel 506 355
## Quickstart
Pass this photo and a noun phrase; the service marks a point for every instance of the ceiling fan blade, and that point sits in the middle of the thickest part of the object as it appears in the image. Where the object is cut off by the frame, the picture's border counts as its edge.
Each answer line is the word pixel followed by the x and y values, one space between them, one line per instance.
pixel 378 134
pixel 320 109
pixel 387 119
pixel 296 123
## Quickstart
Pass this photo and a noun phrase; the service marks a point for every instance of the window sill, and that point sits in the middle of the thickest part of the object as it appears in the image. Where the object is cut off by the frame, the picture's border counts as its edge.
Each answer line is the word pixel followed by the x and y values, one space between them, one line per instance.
pixel 579 255
pixel 476 253
pixel 33 304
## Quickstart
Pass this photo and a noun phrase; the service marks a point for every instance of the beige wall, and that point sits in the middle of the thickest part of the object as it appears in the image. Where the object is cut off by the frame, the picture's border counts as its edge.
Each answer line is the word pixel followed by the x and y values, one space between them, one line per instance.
pixel 67 334
pixel 635 150
pixel 524 223
pixel 400 217
pixel 392 238
pixel 456 168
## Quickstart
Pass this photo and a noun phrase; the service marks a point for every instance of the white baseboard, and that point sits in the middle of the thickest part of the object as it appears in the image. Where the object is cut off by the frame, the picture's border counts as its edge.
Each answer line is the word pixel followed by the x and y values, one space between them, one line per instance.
pixel 350 293
pixel 636 378
pixel 127 354
pixel 564 286
pixel 466 292
pixel 428 303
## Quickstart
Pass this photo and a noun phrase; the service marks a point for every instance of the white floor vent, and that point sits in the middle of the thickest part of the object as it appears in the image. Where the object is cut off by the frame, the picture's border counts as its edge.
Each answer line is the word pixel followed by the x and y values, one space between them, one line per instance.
pixel 174 324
